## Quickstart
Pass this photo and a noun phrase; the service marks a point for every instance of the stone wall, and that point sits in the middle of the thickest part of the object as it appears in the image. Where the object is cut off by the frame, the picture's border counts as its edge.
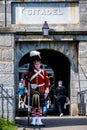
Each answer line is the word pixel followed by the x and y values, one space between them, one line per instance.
pixel 83 13
pixel 83 65
pixel 7 72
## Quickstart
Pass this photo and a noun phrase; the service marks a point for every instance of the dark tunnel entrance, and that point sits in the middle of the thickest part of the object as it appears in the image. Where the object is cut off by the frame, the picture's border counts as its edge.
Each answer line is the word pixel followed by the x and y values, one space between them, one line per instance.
pixel 58 62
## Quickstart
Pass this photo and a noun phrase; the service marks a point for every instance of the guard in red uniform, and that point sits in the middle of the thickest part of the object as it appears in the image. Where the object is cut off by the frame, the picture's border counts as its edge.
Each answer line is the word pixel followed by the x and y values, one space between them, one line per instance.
pixel 39 87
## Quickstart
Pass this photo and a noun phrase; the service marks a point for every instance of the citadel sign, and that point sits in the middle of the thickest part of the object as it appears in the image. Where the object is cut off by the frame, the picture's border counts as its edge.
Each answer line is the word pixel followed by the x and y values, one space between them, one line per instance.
pixel 53 13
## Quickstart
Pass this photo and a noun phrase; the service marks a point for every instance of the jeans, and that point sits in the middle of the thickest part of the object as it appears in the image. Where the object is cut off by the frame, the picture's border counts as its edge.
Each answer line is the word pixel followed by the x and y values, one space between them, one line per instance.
pixel 60 104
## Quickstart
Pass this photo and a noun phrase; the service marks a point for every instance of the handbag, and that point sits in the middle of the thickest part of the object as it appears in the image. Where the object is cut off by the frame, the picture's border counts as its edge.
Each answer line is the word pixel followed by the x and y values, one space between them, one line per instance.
pixel 67 102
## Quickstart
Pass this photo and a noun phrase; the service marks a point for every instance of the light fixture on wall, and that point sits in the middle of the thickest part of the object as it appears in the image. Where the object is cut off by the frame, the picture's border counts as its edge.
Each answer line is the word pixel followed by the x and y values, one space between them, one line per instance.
pixel 45 29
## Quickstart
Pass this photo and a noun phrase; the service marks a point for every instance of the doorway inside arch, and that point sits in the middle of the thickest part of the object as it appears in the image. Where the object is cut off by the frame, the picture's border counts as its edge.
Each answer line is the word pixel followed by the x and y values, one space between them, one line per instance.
pixel 58 68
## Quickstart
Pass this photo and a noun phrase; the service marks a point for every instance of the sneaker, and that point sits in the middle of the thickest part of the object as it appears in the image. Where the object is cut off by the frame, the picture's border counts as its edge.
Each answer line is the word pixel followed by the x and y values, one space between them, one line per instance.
pixel 61 114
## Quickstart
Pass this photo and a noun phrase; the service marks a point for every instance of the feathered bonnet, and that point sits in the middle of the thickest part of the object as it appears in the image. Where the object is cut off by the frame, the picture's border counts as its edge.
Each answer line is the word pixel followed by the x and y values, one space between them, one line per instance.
pixel 34 55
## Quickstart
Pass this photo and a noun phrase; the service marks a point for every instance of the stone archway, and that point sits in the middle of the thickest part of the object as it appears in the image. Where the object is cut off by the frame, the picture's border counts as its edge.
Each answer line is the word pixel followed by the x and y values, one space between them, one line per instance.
pixel 69 49
pixel 57 61
pixel 61 56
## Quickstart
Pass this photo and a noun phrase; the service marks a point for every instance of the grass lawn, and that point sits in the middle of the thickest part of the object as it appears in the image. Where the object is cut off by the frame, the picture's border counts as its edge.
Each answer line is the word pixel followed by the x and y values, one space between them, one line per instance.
pixel 7 125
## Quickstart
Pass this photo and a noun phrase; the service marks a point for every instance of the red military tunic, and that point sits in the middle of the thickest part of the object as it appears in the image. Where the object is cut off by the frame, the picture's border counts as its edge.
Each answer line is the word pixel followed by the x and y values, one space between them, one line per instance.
pixel 38 79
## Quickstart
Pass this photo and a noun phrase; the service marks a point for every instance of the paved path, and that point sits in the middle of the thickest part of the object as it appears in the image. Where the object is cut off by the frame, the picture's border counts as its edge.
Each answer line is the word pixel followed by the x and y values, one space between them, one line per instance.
pixel 56 123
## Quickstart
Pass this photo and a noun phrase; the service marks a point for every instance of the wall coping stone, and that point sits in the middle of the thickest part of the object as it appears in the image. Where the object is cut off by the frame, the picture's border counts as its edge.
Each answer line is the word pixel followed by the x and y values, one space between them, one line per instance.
pixel 7 30
pixel 77 31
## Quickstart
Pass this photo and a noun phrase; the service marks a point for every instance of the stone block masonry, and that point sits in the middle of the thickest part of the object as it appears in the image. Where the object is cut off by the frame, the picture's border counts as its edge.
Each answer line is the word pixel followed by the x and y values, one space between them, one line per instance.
pixel 7 75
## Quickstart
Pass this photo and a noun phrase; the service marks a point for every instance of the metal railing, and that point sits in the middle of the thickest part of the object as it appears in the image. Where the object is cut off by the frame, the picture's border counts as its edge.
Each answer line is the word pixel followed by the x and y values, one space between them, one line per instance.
pixel 7 110
pixel 82 103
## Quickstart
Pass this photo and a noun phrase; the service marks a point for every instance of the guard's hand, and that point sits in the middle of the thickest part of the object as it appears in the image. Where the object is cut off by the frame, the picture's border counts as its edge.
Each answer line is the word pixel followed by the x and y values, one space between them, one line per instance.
pixel 45 95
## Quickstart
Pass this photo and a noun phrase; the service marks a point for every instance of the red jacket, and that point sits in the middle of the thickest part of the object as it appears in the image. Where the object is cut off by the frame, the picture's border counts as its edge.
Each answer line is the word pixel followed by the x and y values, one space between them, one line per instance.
pixel 38 79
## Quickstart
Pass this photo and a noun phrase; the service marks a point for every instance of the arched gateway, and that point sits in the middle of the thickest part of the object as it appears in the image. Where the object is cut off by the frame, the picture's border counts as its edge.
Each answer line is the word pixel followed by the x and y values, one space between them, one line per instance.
pixel 64 50
pixel 59 58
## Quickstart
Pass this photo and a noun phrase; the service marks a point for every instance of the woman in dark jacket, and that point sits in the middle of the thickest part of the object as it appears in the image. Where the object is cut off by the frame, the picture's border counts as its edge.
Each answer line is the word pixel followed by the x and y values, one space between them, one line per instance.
pixel 60 94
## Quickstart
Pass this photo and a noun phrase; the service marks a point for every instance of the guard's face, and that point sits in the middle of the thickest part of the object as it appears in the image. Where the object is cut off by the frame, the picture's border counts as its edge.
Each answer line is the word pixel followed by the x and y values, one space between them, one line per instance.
pixel 37 65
